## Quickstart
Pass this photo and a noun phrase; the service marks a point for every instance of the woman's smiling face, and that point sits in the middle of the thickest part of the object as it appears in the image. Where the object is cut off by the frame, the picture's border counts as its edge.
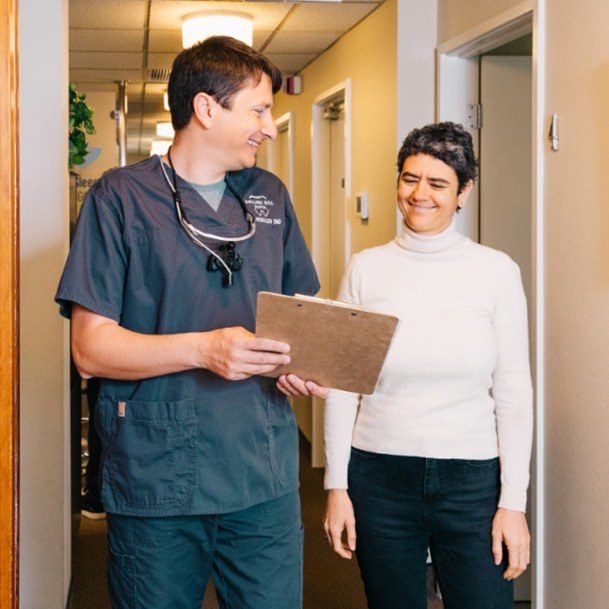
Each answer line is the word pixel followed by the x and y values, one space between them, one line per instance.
pixel 428 194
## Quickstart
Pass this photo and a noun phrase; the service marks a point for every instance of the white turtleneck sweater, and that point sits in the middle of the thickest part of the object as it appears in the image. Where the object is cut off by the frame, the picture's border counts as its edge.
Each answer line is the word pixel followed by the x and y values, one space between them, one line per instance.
pixel 456 383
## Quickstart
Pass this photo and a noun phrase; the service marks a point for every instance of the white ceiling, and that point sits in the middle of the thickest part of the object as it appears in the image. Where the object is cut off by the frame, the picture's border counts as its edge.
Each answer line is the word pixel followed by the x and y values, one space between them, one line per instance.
pixel 137 40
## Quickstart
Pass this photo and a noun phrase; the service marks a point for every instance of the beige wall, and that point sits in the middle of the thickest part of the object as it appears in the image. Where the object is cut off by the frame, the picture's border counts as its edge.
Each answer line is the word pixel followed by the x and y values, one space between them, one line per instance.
pixel 576 267
pixel 458 16
pixel 417 26
pixel 575 274
pixel 44 510
pixel 577 307
pixel 367 55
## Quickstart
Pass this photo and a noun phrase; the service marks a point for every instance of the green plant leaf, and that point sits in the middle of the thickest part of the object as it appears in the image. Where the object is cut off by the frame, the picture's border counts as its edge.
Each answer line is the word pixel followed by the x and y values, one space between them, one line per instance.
pixel 80 123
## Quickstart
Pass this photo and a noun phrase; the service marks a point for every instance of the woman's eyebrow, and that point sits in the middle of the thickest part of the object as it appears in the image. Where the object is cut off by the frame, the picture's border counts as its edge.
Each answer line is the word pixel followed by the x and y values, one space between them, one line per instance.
pixel 439 180
pixel 409 174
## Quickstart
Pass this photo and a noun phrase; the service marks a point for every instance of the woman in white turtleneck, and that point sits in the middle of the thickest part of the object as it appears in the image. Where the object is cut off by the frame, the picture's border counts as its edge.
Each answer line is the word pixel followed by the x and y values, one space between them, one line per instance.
pixel 439 455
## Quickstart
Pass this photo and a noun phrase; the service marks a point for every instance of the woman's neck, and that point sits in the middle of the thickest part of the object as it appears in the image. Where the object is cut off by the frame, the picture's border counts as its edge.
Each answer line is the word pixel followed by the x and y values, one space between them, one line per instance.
pixel 427 244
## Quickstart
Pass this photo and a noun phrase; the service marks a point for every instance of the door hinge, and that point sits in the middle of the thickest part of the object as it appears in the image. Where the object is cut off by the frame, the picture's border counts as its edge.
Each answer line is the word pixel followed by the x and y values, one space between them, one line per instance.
pixel 474 116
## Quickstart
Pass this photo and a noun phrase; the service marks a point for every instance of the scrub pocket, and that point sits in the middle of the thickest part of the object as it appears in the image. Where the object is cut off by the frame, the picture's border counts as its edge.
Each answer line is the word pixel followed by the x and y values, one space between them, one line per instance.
pixel 121 578
pixel 283 438
pixel 150 459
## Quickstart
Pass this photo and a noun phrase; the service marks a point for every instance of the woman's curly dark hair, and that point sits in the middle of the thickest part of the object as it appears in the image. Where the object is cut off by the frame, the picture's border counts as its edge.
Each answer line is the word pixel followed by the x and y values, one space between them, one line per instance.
pixel 446 141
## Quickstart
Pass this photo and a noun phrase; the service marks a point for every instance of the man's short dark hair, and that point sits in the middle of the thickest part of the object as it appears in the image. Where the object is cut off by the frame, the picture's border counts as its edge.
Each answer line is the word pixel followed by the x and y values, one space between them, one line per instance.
pixel 220 66
pixel 446 141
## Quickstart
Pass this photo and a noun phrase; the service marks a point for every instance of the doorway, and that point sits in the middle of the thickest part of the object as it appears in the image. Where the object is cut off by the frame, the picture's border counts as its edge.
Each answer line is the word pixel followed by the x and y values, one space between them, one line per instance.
pixel 277 155
pixel 334 117
pixel 331 190
pixel 487 81
pixel 505 179
pixel 505 153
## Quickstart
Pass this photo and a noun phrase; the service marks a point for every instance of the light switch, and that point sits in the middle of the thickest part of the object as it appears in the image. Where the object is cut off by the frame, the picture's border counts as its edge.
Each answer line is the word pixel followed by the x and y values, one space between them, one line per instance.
pixel 361 205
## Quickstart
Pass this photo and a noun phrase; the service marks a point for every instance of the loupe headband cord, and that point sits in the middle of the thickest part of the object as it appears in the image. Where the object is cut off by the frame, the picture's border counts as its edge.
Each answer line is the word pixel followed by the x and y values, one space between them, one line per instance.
pixel 186 226
pixel 192 230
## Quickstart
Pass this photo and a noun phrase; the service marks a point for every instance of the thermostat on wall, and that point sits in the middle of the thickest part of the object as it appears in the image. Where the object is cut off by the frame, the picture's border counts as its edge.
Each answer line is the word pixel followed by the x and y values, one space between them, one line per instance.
pixel 361 205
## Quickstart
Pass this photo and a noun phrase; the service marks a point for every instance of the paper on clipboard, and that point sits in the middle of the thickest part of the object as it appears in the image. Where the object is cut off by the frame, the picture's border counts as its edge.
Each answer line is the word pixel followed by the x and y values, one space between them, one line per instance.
pixel 332 343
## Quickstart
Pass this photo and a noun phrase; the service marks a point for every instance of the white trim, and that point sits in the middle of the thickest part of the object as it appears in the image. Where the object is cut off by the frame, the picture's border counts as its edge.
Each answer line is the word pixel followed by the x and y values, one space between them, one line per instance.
pixel 319 245
pixel 539 134
pixel 503 28
pixel 284 123
pixel 526 17
pixel 341 90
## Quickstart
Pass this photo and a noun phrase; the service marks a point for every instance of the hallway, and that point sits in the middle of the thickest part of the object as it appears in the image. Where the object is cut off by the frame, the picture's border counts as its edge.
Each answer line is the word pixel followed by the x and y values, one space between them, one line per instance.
pixel 329 581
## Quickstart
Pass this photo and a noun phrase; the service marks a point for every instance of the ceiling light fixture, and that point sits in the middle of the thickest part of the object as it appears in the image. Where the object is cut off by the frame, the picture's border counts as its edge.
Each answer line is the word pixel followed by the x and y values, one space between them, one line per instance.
pixel 202 25
pixel 159 147
pixel 164 129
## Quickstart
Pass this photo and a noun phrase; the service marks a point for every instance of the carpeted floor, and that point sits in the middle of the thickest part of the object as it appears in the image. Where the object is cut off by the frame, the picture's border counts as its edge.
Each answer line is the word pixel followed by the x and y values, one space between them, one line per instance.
pixel 329 581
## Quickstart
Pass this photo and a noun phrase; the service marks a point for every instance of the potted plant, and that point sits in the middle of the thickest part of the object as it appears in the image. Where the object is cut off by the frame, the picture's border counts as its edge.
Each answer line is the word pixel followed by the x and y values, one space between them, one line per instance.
pixel 80 124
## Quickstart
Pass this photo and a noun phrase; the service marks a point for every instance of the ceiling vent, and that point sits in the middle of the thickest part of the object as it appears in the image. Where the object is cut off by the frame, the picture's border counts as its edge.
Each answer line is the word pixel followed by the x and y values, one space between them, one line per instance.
pixel 158 74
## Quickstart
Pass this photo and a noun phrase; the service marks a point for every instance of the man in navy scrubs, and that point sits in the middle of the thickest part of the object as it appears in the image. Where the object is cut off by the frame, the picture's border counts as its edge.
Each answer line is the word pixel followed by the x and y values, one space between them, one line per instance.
pixel 199 474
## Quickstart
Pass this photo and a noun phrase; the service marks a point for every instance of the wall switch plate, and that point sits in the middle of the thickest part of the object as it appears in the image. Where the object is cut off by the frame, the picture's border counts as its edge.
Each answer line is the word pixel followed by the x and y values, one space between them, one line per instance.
pixel 361 205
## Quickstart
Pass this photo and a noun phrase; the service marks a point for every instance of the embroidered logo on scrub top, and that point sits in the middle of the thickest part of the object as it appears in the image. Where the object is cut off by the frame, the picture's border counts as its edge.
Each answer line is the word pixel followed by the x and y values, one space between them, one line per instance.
pixel 263 208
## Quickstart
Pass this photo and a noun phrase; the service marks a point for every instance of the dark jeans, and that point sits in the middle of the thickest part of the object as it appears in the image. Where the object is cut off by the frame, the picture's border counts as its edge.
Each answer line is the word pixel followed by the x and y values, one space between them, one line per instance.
pixel 403 505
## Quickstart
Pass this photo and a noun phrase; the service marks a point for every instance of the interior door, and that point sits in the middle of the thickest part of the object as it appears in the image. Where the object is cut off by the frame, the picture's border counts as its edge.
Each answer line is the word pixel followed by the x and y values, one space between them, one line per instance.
pixel 330 227
pixel 456 96
pixel 336 198
pixel 276 155
pixel 281 152
pixel 505 177
pixel 505 152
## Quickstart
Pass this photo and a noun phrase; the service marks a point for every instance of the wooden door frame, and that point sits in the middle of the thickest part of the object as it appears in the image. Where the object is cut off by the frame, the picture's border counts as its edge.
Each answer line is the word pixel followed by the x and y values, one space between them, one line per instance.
pixel 9 306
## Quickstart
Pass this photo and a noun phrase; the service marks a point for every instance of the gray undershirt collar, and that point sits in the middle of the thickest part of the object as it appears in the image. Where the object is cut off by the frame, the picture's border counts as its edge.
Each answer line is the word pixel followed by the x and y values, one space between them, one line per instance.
pixel 211 193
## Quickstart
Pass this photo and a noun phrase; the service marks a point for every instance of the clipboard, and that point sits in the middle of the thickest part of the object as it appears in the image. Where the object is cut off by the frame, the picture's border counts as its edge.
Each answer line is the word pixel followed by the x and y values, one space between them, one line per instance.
pixel 333 343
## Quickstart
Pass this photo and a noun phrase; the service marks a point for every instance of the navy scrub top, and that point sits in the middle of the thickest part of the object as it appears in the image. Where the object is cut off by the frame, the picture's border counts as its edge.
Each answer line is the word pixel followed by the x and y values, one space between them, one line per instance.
pixel 189 442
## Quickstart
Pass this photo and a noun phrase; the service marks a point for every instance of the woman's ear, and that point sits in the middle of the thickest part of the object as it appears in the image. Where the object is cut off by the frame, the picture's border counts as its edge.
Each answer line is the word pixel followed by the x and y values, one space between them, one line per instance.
pixel 464 194
pixel 204 107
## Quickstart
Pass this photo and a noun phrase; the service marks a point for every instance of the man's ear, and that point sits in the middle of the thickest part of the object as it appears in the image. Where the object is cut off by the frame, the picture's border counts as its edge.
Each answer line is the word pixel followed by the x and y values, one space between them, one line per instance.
pixel 204 107
pixel 464 194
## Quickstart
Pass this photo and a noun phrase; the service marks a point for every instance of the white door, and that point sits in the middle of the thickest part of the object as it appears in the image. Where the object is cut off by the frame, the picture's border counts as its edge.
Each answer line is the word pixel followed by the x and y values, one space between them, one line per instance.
pixel 505 154
pixel 281 162
pixel 277 156
pixel 331 235
pixel 501 214
pixel 336 197
pixel 332 180
pixel 459 91
pixel 505 177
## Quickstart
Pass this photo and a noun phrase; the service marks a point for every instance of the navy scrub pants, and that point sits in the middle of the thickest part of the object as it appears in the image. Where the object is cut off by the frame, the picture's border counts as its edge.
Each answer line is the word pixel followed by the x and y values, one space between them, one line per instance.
pixel 403 505
pixel 254 557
